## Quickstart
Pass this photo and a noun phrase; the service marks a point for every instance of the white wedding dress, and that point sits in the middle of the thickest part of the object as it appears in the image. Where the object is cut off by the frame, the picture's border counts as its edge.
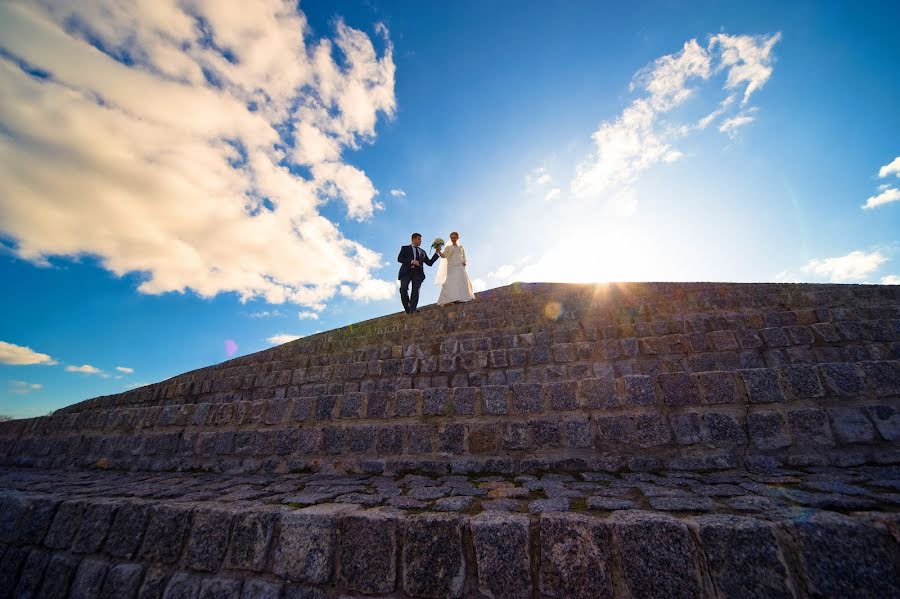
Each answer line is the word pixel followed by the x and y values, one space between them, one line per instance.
pixel 452 278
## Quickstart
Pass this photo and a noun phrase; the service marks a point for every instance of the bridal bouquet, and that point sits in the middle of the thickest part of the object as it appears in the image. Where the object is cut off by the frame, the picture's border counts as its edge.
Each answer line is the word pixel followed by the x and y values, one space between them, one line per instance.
pixel 438 243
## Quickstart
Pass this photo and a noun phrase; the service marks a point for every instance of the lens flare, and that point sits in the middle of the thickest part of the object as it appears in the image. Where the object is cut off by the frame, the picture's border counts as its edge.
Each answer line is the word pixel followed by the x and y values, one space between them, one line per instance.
pixel 552 310
pixel 230 347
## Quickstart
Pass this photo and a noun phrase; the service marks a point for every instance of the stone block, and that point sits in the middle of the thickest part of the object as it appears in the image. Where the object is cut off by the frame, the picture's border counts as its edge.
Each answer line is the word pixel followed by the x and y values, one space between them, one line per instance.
pixel 122 581
pixel 208 541
pixel 436 401
pixel 502 554
pixel 637 390
pixel 361 439
pixel 420 438
pixel 94 526
pixel 775 337
pixel 408 402
pixel 352 405
pixel 546 432
pixel 762 385
pixel 464 400
pixel 251 533
pixel 36 520
pixel 842 379
pixel 127 527
pixel 495 399
pixel 88 579
pixel 685 427
pixel 723 340
pixel 658 556
pixel 597 393
pixel 678 389
pixel 615 430
pixel 182 586
pixel 886 419
pixel 433 560
pixel 216 588
pixel 306 543
pixel 452 439
pixel 882 378
pixel 10 565
pixel 851 425
pixel 261 589
pixel 768 430
pixel 482 438
pixel 389 440
pixel 65 525
pixel 515 436
pixel 368 552
pixel 576 556
pixel 718 387
pixel 577 433
pixel 32 573
pixel 334 439
pixel 743 557
pixel 562 396
pixel 801 381
pixel 842 557
pixel 811 426
pixel 723 429
pixel 651 430
pixel 57 577
pixel 528 398
pixel 166 533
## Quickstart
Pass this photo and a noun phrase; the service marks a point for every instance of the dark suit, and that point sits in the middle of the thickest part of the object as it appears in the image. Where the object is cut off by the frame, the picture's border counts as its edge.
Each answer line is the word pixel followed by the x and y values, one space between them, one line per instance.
pixel 410 273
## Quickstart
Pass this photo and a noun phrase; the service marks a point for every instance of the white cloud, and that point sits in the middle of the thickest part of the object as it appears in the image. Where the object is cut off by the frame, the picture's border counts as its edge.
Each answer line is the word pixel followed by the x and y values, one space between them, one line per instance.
pixel 479 284
pixel 371 290
pixel 178 166
pixel 730 126
pixel 885 197
pixel 639 138
pixel 281 338
pixel 552 194
pixel 18 355
pixel 855 266
pixel 398 193
pixel 23 388
pixel 892 168
pixel 890 280
pixel 537 178
pixel 266 314
pixel 125 369
pixel 85 368
pixel 307 315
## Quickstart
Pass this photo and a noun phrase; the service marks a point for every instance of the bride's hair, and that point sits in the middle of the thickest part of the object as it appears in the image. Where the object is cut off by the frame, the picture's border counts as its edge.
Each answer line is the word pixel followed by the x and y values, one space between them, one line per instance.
pixel 454 233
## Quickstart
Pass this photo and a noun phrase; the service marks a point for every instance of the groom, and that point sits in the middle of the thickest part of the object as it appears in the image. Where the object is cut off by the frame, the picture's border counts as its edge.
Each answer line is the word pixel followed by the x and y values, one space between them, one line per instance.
pixel 411 258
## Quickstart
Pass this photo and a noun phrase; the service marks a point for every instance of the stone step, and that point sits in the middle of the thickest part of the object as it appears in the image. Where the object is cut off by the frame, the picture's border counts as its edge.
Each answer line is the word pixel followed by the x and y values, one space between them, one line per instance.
pixel 585 535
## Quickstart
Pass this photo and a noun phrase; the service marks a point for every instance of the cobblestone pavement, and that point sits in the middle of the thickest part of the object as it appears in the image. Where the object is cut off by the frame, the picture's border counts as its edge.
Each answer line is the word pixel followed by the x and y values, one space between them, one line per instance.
pixel 734 492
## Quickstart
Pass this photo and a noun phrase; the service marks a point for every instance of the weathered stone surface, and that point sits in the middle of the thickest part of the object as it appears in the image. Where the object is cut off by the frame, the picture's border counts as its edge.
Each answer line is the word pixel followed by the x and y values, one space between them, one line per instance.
pixel 65 525
pixel 762 385
pixel 154 584
pixel 841 557
pixel 224 588
pixel 94 526
pixel 10 566
pixel 851 425
pixel 576 556
pixel 432 557
pixel 166 533
pixel 768 430
pixel 501 554
pixel 368 552
pixel 261 589
pixel 842 379
pixel 32 573
pixel 127 527
pixel 718 387
pixel 251 533
pixel 638 390
pixel 305 549
pixel 811 426
pixel 58 576
pixel 743 556
pixel 208 539
pixel 678 389
pixel 122 581
pixel 88 579
pixel 886 419
pixel 659 558
pixel 182 586
pixel 802 381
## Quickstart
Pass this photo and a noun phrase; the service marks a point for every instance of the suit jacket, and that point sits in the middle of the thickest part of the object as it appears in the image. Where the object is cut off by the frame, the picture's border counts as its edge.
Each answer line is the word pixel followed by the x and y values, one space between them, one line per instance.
pixel 416 272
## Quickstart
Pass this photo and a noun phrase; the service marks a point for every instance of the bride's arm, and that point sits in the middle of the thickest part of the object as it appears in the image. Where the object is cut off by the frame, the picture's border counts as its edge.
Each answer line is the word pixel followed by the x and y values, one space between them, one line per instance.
pixel 462 253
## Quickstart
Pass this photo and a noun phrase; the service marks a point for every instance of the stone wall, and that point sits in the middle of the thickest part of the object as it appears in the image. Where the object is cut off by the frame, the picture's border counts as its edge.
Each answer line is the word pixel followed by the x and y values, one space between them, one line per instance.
pixel 133 548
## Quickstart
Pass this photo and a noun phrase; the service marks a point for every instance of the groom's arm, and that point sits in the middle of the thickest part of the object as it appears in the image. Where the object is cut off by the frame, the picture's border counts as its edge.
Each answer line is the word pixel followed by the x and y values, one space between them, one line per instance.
pixel 432 260
pixel 403 259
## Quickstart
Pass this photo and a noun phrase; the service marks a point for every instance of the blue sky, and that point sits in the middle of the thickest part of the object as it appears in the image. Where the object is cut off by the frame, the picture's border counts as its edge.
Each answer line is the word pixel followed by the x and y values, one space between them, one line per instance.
pixel 177 186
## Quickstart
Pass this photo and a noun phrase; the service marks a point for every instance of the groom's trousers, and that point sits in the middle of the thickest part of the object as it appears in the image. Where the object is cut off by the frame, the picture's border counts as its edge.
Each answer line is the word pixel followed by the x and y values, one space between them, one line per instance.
pixel 410 303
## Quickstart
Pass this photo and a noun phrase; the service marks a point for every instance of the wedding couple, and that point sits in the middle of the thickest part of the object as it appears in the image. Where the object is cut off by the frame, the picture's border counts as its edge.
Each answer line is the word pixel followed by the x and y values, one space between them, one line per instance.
pixel 451 277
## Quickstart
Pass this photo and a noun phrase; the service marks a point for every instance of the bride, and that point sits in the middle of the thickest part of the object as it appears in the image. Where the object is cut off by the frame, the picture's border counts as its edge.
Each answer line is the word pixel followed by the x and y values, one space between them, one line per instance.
pixel 452 278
